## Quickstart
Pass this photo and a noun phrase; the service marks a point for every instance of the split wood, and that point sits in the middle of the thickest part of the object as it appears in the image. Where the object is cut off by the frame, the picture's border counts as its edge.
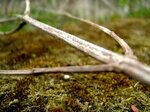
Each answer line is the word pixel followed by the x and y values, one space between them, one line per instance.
pixel 127 63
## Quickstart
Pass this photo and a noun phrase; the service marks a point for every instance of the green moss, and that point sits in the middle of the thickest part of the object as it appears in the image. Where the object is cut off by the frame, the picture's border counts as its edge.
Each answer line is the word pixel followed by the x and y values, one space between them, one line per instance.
pixel 97 92
pixel 143 12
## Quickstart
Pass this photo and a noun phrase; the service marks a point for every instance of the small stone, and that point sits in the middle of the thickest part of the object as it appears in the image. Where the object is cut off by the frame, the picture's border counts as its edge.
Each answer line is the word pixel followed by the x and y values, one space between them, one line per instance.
pixel 90 106
pixel 66 77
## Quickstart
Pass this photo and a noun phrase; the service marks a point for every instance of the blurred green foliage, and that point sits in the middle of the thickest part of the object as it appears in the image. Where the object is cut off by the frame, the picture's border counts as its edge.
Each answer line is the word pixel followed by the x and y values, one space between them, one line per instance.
pixel 143 12
pixel 135 8
pixel 123 2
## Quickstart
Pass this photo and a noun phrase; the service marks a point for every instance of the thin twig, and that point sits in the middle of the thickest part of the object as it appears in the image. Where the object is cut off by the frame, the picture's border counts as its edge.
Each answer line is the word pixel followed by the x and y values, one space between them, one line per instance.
pixel 27 8
pixel 6 20
pixel 21 24
pixel 67 69
pixel 123 44
pixel 18 27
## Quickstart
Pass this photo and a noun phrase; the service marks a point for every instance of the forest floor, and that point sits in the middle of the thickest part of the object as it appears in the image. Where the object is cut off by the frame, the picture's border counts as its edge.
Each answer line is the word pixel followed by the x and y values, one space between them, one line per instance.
pixel 82 92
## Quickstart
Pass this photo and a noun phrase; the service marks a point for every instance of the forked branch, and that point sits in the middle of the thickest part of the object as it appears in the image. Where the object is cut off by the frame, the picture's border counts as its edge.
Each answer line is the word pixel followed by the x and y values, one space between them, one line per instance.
pixel 115 61
pixel 21 24
pixel 126 64
pixel 123 44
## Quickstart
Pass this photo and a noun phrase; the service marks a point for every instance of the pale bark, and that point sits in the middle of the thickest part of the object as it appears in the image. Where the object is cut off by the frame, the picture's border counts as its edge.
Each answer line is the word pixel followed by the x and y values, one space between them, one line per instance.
pixel 114 62
pixel 123 44
pixel 126 64
pixel 67 69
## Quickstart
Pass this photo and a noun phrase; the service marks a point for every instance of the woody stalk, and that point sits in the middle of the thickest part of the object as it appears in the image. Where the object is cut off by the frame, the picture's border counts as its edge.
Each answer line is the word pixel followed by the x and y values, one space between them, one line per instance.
pixel 126 63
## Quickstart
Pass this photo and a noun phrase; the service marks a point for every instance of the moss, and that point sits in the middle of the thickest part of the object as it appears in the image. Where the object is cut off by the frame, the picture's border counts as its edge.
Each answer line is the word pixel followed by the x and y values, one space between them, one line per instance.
pixel 97 92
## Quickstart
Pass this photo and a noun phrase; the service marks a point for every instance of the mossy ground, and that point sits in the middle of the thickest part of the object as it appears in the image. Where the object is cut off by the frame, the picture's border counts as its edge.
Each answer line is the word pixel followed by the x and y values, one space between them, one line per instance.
pixel 94 92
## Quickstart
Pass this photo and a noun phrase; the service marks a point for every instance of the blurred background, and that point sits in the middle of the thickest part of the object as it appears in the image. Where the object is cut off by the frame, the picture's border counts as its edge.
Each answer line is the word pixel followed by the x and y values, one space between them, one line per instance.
pixel 89 9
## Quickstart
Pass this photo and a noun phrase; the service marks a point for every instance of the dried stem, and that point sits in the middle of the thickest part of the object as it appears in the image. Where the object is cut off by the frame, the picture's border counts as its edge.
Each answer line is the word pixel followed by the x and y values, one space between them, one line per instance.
pixel 27 8
pixel 126 64
pixel 122 63
pixel 123 44
pixel 8 20
pixel 67 69
pixel 20 26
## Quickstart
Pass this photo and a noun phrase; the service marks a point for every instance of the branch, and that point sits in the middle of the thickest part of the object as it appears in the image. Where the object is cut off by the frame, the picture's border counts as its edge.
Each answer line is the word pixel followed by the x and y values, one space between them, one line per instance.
pixel 126 64
pixel 121 63
pixel 69 69
pixel 8 20
pixel 27 8
pixel 20 26
pixel 123 44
